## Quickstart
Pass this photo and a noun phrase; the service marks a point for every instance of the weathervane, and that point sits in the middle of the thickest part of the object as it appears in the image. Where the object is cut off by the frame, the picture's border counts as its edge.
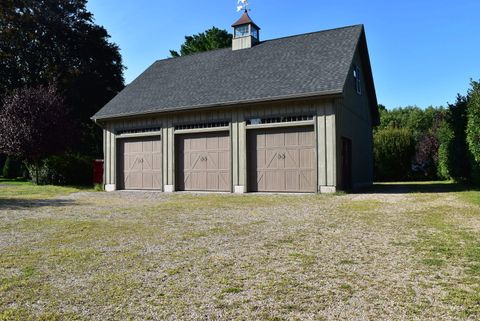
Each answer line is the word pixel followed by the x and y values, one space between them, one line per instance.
pixel 242 5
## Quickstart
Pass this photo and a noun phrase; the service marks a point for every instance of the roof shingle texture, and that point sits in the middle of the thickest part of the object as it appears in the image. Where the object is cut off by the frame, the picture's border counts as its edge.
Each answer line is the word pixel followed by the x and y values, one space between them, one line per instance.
pixel 244 19
pixel 303 65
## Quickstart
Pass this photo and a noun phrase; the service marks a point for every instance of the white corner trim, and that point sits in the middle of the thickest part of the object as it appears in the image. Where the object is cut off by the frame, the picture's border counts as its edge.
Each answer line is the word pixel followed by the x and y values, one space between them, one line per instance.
pixel 239 189
pixel 328 189
pixel 110 187
pixel 168 188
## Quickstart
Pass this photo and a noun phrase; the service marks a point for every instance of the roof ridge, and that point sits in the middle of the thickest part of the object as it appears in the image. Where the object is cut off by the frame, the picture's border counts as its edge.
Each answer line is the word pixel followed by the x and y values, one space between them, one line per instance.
pixel 265 41
pixel 313 33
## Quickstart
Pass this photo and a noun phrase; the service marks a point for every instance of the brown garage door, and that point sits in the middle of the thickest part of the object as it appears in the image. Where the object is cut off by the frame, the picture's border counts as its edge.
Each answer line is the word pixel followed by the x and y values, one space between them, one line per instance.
pixel 140 163
pixel 282 160
pixel 203 162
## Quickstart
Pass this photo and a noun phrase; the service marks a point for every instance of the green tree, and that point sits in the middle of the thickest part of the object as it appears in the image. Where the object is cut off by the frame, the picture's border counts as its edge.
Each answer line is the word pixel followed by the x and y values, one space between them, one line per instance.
pixel 3 158
pixel 213 38
pixel 473 123
pixel 454 157
pixel 394 149
pixel 423 124
pixel 13 168
pixel 417 120
pixel 44 41
pixel 445 137
pixel 427 147
pixel 33 124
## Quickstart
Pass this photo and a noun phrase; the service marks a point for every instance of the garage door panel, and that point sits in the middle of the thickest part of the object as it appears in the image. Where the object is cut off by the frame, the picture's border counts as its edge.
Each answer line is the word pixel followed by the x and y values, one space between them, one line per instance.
pixel 212 143
pixel 259 158
pixel 261 182
pixel 147 180
pixel 133 180
pixel 292 180
pixel 147 147
pixel 207 162
pixel 306 139
pixel 260 141
pixel 285 163
pixel 195 181
pixel 147 160
pixel 141 163
pixel 271 160
pixel 131 163
pixel 224 143
pixel 291 159
pixel 274 181
pixel 212 160
pixel 307 158
pixel 291 139
pixel 224 161
pixel 307 179
pixel 157 162
pixel 133 147
pixel 212 181
pixel 274 140
pixel 224 181
pixel 196 162
pixel 197 144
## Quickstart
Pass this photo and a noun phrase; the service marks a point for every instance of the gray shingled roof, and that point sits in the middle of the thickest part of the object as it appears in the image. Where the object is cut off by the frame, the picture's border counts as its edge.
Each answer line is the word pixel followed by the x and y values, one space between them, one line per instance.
pixel 298 66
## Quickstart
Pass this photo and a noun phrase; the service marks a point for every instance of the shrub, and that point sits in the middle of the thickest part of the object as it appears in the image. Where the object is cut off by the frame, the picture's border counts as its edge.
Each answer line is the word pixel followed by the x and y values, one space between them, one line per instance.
pixel 473 125
pixel 394 149
pixel 65 169
pixel 454 159
pixel 13 168
pixel 98 187
pixel 446 138
pixel 3 158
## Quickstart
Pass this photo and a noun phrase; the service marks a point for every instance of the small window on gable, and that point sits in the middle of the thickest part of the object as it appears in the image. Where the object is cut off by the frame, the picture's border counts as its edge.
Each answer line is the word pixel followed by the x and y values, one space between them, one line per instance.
pixel 358 83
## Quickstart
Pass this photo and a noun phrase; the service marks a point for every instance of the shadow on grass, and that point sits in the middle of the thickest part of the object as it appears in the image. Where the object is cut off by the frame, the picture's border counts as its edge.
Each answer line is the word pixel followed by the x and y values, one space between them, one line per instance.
pixel 19 203
pixel 415 187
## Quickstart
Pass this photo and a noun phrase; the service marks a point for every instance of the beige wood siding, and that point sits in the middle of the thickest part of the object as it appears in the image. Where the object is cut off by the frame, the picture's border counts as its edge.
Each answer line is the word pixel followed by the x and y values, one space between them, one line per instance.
pixel 203 162
pixel 140 163
pixel 323 112
pixel 282 160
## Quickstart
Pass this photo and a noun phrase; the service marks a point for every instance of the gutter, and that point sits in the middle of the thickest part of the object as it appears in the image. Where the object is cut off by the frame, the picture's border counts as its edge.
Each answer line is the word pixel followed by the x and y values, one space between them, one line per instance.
pixel 324 94
pixel 95 120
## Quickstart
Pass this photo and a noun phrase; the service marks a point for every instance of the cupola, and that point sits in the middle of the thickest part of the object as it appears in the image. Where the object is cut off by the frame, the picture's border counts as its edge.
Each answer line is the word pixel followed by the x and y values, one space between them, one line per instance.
pixel 246 33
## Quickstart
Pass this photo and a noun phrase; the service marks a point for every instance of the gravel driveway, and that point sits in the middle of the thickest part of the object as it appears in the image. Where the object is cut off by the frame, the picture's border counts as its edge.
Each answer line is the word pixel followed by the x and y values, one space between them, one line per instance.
pixel 390 254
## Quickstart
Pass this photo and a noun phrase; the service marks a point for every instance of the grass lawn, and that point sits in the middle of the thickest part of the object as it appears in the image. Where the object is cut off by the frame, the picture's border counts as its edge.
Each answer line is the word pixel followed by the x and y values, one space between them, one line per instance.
pixel 22 189
pixel 394 252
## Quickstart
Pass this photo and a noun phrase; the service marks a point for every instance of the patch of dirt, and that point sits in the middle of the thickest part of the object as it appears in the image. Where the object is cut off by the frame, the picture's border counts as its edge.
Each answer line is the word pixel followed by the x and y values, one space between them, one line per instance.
pixel 157 256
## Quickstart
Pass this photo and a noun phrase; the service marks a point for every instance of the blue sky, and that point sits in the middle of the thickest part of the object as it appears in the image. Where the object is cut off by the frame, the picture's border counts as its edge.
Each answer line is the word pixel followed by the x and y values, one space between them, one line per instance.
pixel 423 52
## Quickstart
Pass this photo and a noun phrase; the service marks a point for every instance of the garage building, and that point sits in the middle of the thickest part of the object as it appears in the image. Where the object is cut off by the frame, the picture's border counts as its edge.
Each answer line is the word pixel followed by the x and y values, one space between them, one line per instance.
pixel 293 114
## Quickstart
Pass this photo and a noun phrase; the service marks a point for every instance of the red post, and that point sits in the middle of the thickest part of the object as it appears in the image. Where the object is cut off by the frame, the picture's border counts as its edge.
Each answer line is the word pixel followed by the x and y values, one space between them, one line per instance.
pixel 98 171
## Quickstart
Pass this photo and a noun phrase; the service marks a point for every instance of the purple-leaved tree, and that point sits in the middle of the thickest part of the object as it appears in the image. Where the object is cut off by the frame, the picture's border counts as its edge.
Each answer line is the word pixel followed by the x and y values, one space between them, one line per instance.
pixel 33 124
